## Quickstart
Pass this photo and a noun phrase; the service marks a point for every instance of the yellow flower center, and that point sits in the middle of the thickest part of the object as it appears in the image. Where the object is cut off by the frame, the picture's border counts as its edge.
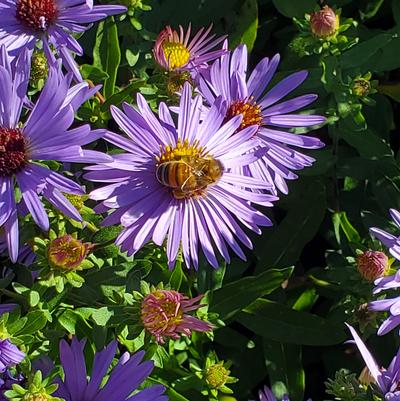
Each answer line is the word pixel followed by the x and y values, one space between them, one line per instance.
pixel 77 201
pixel 187 170
pixel 250 111
pixel 176 54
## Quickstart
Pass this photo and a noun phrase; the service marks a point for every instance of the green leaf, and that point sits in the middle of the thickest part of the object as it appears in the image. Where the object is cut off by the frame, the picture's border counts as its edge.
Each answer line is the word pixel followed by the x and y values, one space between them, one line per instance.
pixel 124 95
pixel 284 245
pixel 245 31
pixel 285 369
pixel 34 298
pixel 68 320
pixel 280 323
pixel 177 276
pixel 294 8
pixel 107 54
pixel 396 11
pixel 93 73
pixel 364 51
pixel 340 220
pixel 36 321
pixel 235 296
pixel 102 316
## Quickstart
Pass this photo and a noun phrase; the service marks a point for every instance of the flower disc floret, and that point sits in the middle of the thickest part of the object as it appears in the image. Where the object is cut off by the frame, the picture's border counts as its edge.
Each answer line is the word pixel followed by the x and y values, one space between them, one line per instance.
pixel 217 375
pixel 176 54
pixel 250 111
pixel 12 151
pixel 36 14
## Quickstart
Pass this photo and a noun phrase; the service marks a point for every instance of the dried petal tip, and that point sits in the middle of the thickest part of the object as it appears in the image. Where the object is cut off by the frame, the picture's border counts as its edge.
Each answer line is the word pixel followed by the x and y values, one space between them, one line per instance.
pixel 324 23
pixel 67 252
pixel 372 264
pixel 163 315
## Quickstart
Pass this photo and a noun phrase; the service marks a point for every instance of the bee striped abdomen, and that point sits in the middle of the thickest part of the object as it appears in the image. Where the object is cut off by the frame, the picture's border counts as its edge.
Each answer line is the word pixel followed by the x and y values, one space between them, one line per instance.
pixel 173 174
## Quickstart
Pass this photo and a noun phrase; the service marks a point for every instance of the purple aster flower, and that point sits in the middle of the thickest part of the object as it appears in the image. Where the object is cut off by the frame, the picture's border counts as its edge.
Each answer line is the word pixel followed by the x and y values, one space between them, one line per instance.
pixel 7 379
pixel 10 355
pixel 25 256
pixel 267 395
pixel 174 51
pixel 247 97
pixel 6 308
pixel 122 381
pixel 44 136
pixel 390 305
pixel 176 182
pixel 24 23
pixel 387 239
pixel 386 380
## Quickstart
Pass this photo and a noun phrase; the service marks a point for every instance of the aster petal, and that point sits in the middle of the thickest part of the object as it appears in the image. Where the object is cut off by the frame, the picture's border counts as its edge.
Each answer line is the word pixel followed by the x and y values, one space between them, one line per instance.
pixel 262 75
pixel 12 233
pixel 6 199
pixel 101 363
pixel 73 362
pixel 283 88
pixel 32 200
pixel 368 358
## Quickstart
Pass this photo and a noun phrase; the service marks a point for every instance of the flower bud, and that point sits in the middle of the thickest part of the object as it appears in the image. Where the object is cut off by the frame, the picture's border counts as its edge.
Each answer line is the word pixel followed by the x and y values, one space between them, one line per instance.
pixel 163 314
pixel 361 87
pixel 372 264
pixel 35 397
pixel 324 23
pixel 77 201
pixel 217 375
pixel 67 252
pixel 39 68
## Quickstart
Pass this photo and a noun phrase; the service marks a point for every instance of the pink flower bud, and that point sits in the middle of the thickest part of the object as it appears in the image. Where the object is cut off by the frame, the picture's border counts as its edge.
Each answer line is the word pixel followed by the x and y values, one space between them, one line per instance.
pixel 163 315
pixel 372 264
pixel 324 23
pixel 67 252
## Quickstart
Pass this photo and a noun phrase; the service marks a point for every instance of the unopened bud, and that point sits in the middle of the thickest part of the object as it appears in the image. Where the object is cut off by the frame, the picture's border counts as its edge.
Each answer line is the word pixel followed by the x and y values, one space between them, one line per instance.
pixel 217 375
pixel 361 87
pixel 67 252
pixel 372 264
pixel 324 23
pixel 35 397
pixel 77 201
pixel 39 68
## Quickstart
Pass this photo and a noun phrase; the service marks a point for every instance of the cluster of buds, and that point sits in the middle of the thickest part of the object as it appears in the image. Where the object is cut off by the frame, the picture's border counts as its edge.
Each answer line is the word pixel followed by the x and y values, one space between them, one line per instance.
pixel 322 32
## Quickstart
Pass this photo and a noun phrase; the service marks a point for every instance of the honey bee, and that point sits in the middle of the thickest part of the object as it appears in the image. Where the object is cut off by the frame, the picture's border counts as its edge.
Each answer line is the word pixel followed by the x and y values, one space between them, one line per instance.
pixel 190 176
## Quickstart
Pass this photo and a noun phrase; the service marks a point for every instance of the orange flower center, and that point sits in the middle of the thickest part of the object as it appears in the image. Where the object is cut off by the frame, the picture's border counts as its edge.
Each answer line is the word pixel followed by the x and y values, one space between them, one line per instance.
pixel 250 111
